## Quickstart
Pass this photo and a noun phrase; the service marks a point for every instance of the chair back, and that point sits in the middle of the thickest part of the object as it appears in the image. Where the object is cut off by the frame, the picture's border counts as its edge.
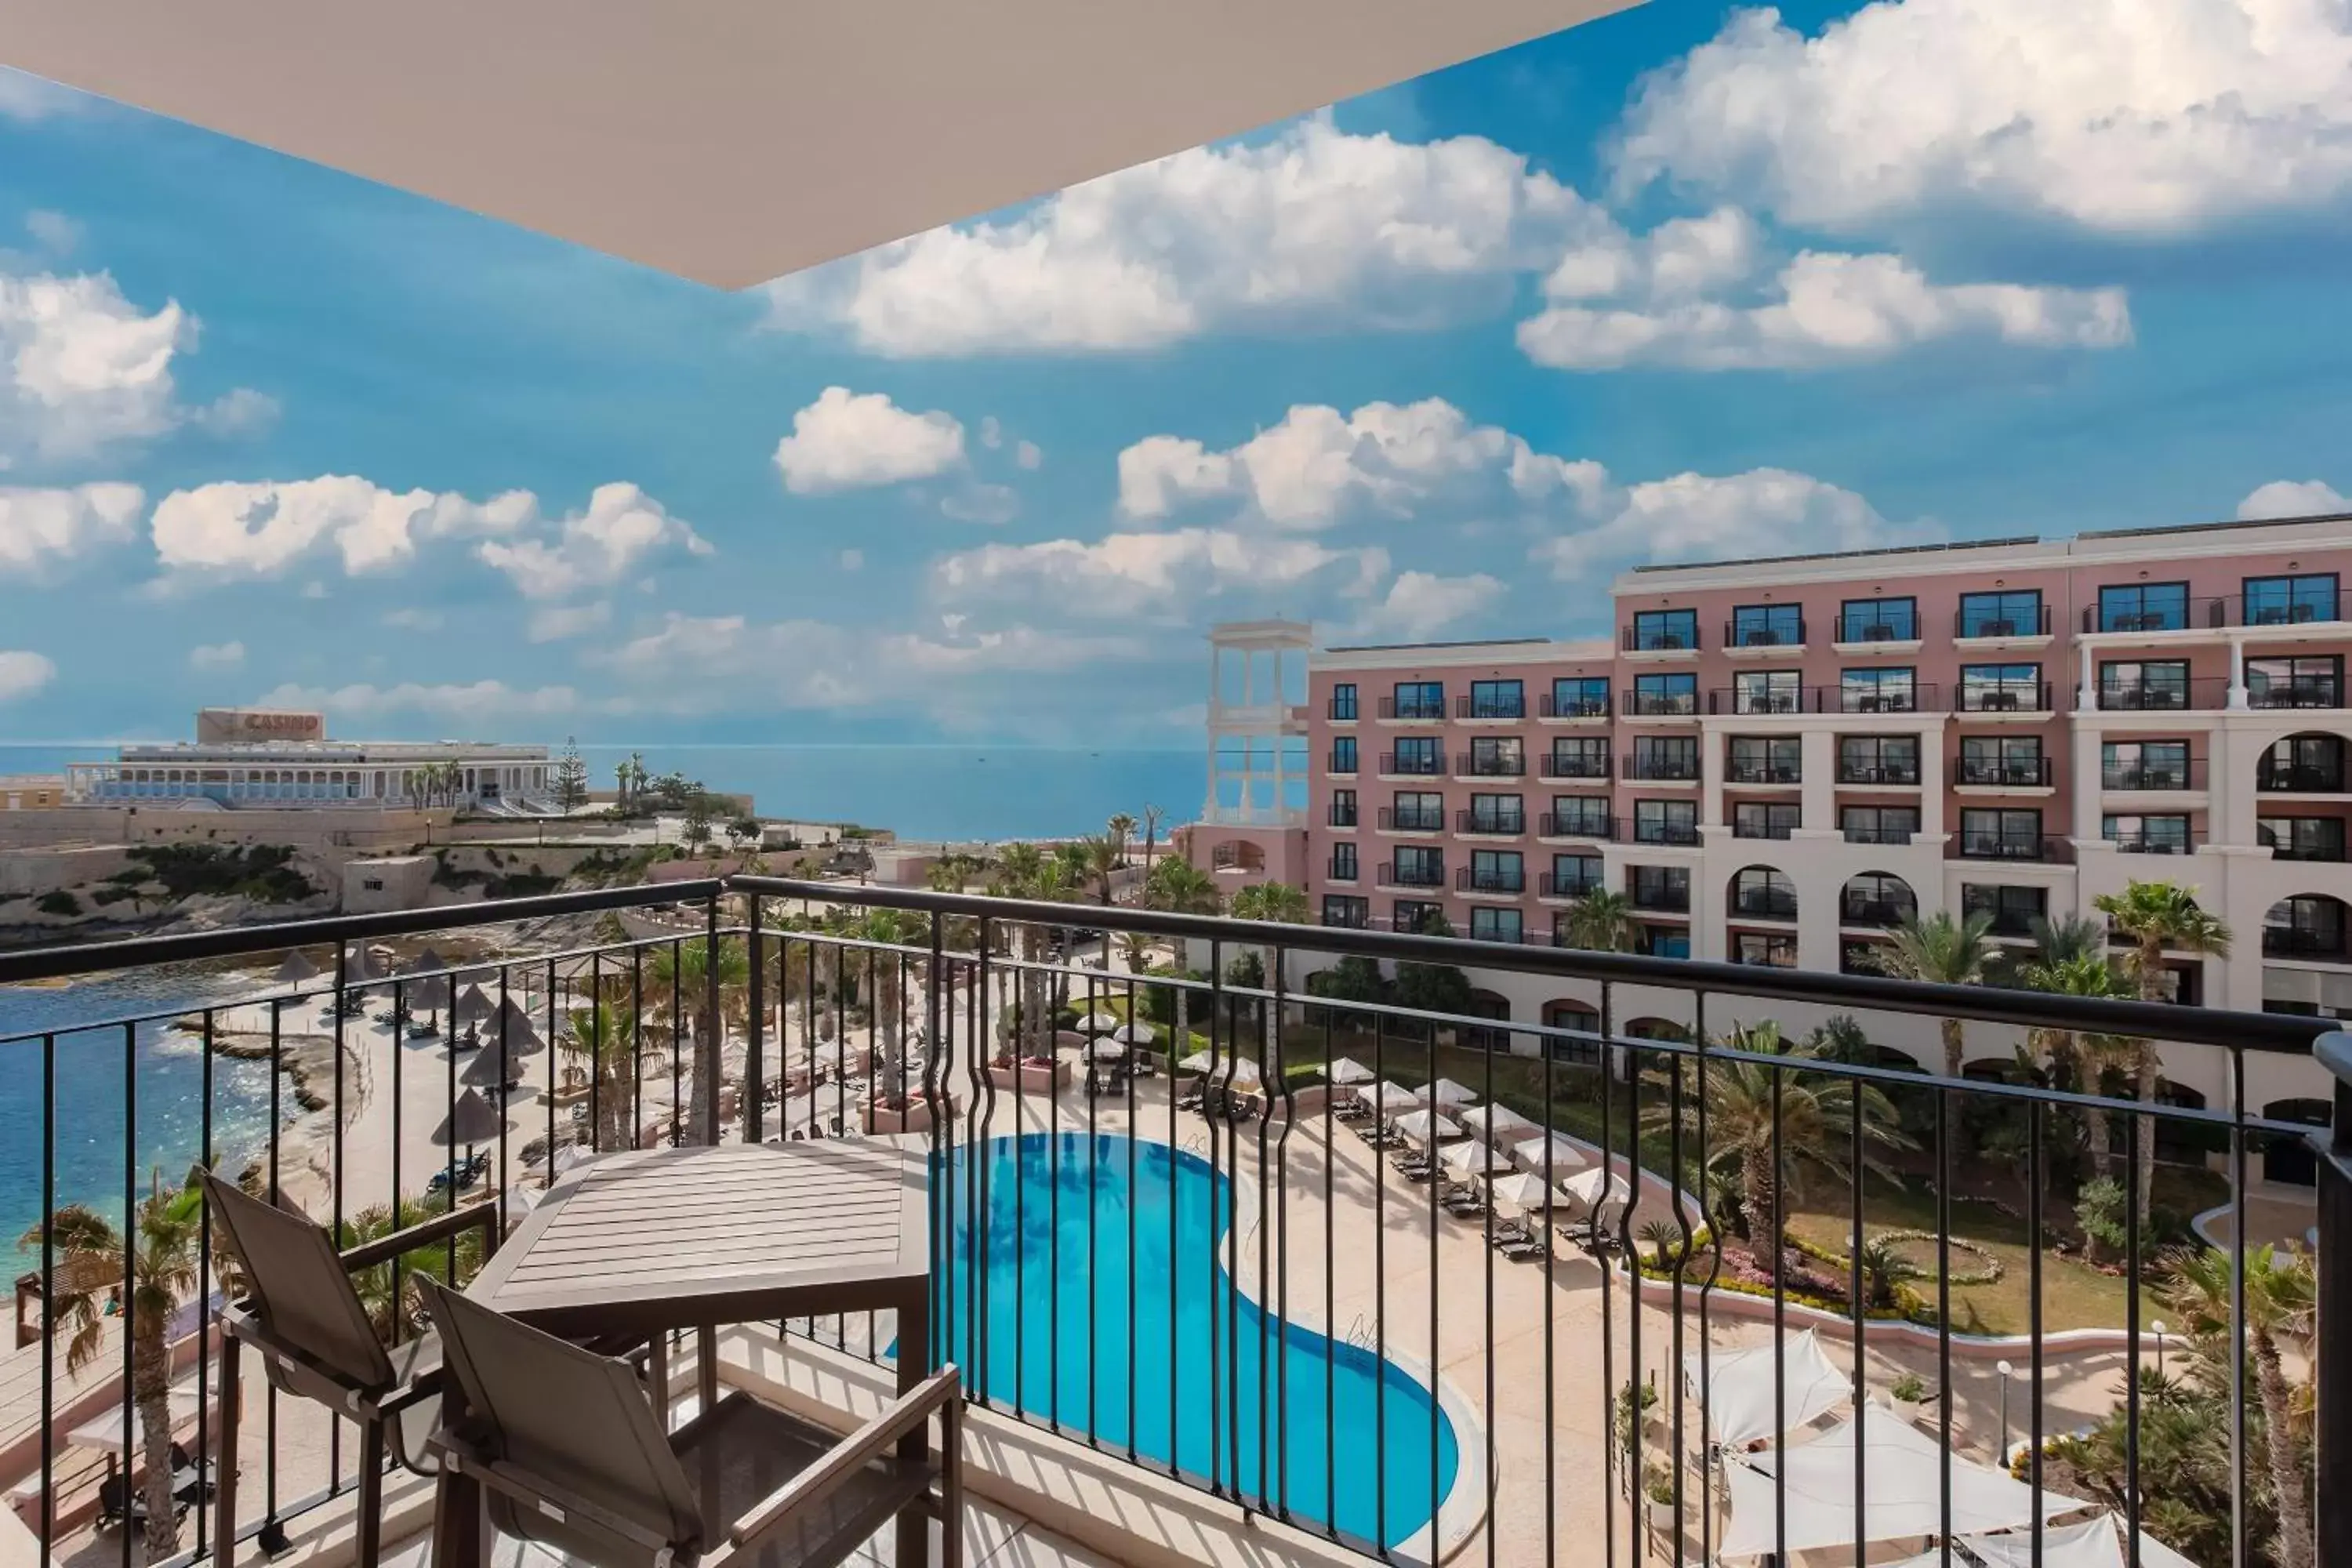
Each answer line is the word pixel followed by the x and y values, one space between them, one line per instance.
pixel 299 1290
pixel 577 1419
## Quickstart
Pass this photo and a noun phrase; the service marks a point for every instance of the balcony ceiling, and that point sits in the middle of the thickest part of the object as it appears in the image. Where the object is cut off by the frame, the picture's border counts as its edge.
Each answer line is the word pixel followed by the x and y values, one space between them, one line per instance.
pixel 734 140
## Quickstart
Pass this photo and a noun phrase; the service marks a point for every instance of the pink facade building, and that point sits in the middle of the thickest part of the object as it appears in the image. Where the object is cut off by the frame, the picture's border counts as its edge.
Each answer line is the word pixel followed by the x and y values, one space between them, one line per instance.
pixel 1776 760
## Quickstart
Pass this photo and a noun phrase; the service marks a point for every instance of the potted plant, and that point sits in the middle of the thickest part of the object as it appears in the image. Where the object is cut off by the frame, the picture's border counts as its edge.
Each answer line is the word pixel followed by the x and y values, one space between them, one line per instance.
pixel 1658 1487
pixel 1907 1394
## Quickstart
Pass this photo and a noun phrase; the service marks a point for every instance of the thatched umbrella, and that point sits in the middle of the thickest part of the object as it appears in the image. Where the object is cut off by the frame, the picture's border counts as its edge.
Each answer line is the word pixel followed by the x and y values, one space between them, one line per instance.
pixel 361 969
pixel 426 963
pixel 296 969
pixel 471 1120
pixel 511 1018
pixel 494 1068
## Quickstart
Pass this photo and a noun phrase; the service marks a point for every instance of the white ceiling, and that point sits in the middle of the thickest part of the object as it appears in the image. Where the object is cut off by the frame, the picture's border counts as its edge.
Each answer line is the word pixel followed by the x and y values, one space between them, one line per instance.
pixel 734 140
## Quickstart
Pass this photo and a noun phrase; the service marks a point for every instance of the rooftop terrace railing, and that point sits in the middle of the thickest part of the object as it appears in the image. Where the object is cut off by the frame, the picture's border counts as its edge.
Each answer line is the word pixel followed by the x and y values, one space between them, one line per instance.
pixel 1183 1249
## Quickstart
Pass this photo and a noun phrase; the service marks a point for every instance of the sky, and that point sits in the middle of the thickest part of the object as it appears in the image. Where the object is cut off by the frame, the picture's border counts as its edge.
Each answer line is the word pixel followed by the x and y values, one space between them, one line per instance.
pixel 1690 282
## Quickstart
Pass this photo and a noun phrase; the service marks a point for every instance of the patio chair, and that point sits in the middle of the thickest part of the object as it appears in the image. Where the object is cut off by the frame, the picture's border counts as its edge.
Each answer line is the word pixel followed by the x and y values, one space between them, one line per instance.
pixel 569 1455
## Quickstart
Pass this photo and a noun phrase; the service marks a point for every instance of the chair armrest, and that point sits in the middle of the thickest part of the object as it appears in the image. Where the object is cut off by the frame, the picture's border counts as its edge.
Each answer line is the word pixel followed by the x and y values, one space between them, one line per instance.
pixel 860 1449
pixel 528 1486
pixel 440 1227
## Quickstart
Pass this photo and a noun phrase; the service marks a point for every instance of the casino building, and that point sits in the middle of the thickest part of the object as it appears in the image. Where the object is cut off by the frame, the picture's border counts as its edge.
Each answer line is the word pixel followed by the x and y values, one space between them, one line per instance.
pixel 245 757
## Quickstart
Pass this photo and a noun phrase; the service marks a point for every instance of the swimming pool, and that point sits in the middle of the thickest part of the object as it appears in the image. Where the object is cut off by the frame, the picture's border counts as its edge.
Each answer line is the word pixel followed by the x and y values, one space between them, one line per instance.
pixel 1063 1215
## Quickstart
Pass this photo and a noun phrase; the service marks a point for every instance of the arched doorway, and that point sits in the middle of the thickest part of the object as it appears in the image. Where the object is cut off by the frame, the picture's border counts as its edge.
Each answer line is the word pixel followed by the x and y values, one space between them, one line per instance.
pixel 1763 893
pixel 2306 926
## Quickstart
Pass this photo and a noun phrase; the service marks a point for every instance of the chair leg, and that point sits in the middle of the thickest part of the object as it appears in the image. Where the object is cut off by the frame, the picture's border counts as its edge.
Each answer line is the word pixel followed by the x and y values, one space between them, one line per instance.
pixel 951 1484
pixel 370 1502
pixel 225 1464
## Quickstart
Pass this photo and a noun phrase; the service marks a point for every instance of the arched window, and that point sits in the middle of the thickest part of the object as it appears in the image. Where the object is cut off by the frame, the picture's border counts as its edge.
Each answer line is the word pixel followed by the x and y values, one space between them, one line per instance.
pixel 1761 892
pixel 2302 764
pixel 2308 926
pixel 1876 898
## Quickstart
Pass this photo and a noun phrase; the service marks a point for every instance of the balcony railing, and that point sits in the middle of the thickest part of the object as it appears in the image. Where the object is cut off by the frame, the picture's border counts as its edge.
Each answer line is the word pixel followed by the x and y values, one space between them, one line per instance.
pixel 1550 885
pixel 1878 833
pixel 1893 626
pixel 1084 1281
pixel 1764 903
pixel 2001 772
pixel 2199 694
pixel 1407 874
pixel 1575 765
pixel 1976 625
pixel 2304 942
pixel 1918 697
pixel 1868 910
pixel 1337 816
pixel 2300 780
pixel 1494 824
pixel 2005 920
pixel 1578 707
pixel 1982 846
pixel 1657 896
pixel 1553 825
pixel 2269 610
pixel 1754 772
pixel 1413 764
pixel 1416 710
pixel 1341 870
pixel 1343 917
pixel 2322 851
pixel 1661 704
pixel 1645 831
pixel 1491 879
pixel 1341 711
pixel 1653 639
pixel 2007 697
pixel 1900 775
pixel 1490 765
pixel 1412 819
pixel 1498 707
pixel 1341 762
pixel 2144 843
pixel 1760 827
pixel 1764 633
pixel 2188 774
pixel 2303 691
pixel 1666 769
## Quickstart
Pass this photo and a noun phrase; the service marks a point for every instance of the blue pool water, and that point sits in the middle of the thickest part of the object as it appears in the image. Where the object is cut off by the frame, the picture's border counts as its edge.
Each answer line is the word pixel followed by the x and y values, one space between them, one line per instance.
pixel 1063 1216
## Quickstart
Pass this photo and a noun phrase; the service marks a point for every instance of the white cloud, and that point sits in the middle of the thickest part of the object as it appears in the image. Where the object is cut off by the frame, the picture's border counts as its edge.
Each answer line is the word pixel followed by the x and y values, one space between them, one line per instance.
pixel 485 704
pixel 622 527
pixel 557 623
pixel 1319 466
pixel 54 231
pixel 22 673
pixel 1829 310
pixel 1312 227
pixel 1141 573
pixel 82 366
pixel 2293 498
pixel 1419 604
pixel 38 527
pixel 2132 116
pixel 1028 455
pixel 850 440
pixel 992 432
pixel 1679 258
pixel 259 529
pixel 1699 517
pixel 217 656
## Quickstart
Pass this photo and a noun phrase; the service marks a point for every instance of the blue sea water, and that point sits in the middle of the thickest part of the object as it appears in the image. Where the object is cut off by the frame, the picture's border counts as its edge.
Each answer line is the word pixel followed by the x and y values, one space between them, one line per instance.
pixel 1100 1301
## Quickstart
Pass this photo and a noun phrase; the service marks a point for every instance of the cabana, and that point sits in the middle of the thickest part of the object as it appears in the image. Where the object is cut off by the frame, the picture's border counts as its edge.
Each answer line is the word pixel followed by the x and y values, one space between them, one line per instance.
pixel 1347 1069
pixel 2094 1543
pixel 1737 1395
pixel 1564 1155
pixel 1426 1126
pixel 1497 1124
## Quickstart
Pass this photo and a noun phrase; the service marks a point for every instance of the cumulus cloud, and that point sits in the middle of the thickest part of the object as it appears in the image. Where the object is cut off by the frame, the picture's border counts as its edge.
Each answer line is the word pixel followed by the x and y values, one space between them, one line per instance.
pixel 485 705
pixel 81 365
pixel 2128 116
pixel 2293 498
pixel 850 440
pixel 1825 310
pixel 1319 466
pixel 1313 226
pixel 217 656
pixel 22 673
pixel 1419 604
pixel 1028 456
pixel 1127 574
pixel 1695 517
pixel 621 529
pixel 39 528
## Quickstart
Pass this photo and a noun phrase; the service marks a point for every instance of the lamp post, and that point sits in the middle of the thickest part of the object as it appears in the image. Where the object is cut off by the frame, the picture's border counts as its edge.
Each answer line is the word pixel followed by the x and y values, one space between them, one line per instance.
pixel 2003 1368
pixel 2159 1326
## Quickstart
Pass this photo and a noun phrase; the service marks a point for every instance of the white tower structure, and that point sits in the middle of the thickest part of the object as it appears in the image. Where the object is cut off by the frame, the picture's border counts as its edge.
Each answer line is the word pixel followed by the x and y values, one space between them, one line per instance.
pixel 1257 723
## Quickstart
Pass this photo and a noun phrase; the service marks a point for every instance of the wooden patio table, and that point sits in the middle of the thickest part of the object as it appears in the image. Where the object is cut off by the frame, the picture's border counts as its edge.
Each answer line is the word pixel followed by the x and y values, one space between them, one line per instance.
pixel 653 1241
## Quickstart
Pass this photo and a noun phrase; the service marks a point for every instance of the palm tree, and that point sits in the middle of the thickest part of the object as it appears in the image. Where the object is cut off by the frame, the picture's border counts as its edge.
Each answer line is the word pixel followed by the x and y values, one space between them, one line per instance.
pixel 1771 1143
pixel 1602 921
pixel 1279 903
pixel 1135 950
pixel 1023 871
pixel 893 979
pixel 1105 856
pixel 2067 937
pixel 1947 952
pixel 163 1252
pixel 1179 887
pixel 374 1285
pixel 607 1035
pixel 2282 1304
pixel 2087 1056
pixel 1153 815
pixel 687 966
pixel 2156 915
pixel 621 786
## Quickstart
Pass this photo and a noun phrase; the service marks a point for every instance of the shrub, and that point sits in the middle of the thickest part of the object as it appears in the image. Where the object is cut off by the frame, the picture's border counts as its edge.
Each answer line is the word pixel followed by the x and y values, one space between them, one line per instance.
pixel 58 901
pixel 2099 1209
pixel 1908 1388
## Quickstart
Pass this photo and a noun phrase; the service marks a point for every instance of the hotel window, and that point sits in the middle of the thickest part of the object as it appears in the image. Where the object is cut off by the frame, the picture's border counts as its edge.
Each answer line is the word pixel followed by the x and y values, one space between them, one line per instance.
pixel 1584 1021
pixel 2014 614
pixel 1573 876
pixel 1419 755
pixel 1767 690
pixel 1878 759
pixel 2284 600
pixel 1343 862
pixel 1343 808
pixel 1767 625
pixel 2000 835
pixel 1665 941
pixel 1667 694
pixel 1762 819
pixel 1665 888
pixel 1497 700
pixel 2013 760
pixel 2304 927
pixel 1347 911
pixel 1583 697
pixel 1660 629
pixel 1419 866
pixel 2310 765
pixel 1665 822
pixel 1497 814
pixel 1672 757
pixel 1876 898
pixel 2145 685
pixel 1879 692
pixel 1343 701
pixel 1343 753
pixel 2000 687
pixel 2144 607
pixel 1580 817
pixel 1420 915
pixel 1488 923
pixel 1418 811
pixel 2144 765
pixel 1878 620
pixel 2146 835
pixel 1419 700
pixel 2315 682
pixel 1497 871
pixel 1765 760
pixel 1879 823
pixel 1768 950
pixel 2302 838
pixel 2013 910
pixel 1579 757
pixel 1498 757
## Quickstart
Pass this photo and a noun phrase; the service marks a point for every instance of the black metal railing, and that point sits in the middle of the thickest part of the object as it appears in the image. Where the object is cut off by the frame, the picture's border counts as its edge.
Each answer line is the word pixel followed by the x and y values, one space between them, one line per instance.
pixel 1409 874
pixel 1878 833
pixel 1340 709
pixel 1656 894
pixel 1413 709
pixel 2198 694
pixel 1890 624
pixel 1639 704
pixel 1650 830
pixel 1112 1236
pixel 1865 774
pixel 2300 779
pixel 1784 633
pixel 1341 870
pixel 1339 815
pixel 1344 763
pixel 1490 765
pixel 1916 697
pixel 1744 825
pixel 1575 765
pixel 1553 825
pixel 1489 880
pixel 2275 610
pixel 1983 846
pixel 1554 707
pixel 1552 885
pixel 2302 691
pixel 1764 903
pixel 2303 941
pixel 1739 771
pixel 1970 625
pixel 1413 764
pixel 1412 820
pixel 1491 708
pixel 1670 768
pixel 2140 841
pixel 2188 773
pixel 2004 696
pixel 2002 772
pixel 1656 639
pixel 1875 909
pixel 1494 824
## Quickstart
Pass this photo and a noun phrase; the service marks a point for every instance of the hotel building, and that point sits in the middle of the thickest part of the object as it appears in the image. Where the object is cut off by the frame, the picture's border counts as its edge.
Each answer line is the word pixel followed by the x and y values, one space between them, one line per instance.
pixel 246 757
pixel 1776 760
